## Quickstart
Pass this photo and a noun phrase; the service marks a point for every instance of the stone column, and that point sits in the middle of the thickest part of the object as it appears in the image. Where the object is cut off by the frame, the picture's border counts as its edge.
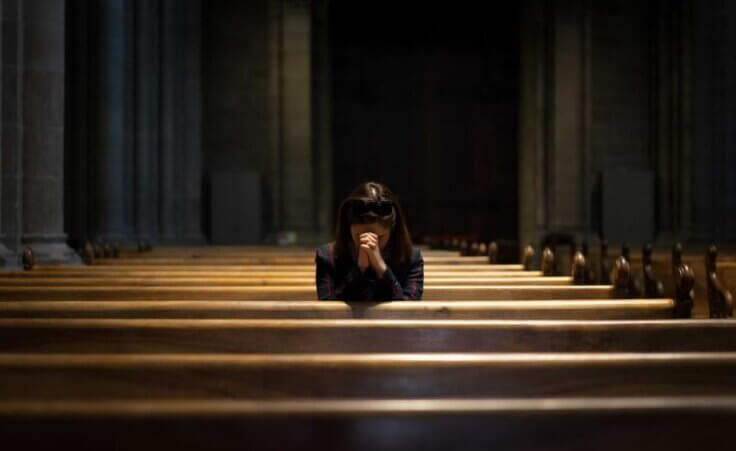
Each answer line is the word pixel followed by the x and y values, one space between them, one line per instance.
pixel 555 120
pixel 109 145
pixel 322 120
pixel 298 202
pixel 671 118
pixel 190 98
pixel 147 118
pixel 567 179
pixel 43 131
pixel 11 66
pixel 170 140
pixel 533 121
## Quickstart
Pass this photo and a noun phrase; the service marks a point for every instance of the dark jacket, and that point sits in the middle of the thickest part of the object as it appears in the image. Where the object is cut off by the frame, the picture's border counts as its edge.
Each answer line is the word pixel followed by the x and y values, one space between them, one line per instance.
pixel 339 277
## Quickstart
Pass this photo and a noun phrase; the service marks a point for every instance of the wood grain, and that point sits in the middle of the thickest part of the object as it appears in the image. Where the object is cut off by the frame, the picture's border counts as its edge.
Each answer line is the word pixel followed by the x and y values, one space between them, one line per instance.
pixel 429 375
pixel 395 424
pixel 548 309
pixel 434 292
pixel 345 336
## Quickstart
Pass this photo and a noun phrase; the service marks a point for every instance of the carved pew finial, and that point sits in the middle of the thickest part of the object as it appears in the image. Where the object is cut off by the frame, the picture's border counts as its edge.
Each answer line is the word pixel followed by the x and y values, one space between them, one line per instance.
pixel 579 268
pixel 676 258
pixel 474 248
pixel 98 249
pixel 720 299
pixel 28 259
pixel 483 249
pixel 589 273
pixel 548 262
pixel 634 285
pixel 605 265
pixel 88 253
pixel 684 278
pixel 528 259
pixel 107 250
pixel 493 253
pixel 684 293
pixel 626 252
pixel 621 276
pixel 653 288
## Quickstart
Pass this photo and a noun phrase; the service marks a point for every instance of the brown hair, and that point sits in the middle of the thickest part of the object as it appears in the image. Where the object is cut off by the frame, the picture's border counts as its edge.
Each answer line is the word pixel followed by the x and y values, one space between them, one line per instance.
pixel 350 213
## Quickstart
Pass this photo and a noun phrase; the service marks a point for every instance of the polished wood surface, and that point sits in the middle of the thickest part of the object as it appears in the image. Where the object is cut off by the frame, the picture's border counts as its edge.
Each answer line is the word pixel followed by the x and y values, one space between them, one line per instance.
pixel 688 422
pixel 270 280
pixel 362 335
pixel 202 348
pixel 267 260
pixel 548 309
pixel 198 266
pixel 182 273
pixel 433 292
pixel 429 375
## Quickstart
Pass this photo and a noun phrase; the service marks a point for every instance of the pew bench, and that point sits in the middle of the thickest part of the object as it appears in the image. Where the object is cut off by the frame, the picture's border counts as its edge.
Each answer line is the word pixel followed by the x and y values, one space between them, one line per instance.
pixel 700 422
pixel 395 375
pixel 599 309
pixel 280 336
pixel 431 292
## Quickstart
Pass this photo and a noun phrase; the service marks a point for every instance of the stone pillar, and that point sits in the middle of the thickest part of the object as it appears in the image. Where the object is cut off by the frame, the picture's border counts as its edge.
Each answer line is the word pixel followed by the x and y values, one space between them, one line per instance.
pixel 566 180
pixel 10 132
pixel 322 120
pixel 298 202
pixel 109 145
pixel 170 140
pixel 555 118
pixel 671 124
pixel 147 118
pixel 190 98
pixel 533 121
pixel 43 130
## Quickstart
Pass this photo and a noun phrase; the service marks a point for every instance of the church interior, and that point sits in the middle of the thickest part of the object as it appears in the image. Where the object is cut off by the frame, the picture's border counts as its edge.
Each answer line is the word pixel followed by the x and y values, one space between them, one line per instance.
pixel 540 252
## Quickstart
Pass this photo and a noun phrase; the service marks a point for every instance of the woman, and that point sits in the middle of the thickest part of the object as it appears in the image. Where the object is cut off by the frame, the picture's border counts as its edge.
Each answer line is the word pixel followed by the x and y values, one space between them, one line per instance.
pixel 372 257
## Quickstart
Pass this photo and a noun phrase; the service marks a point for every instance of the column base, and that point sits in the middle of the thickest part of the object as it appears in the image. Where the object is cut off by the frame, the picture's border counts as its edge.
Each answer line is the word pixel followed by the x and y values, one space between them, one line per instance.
pixel 52 253
pixel 8 258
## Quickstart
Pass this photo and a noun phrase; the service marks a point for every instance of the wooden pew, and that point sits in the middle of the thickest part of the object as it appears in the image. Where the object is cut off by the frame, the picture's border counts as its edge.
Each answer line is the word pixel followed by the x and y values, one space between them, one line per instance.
pixel 434 292
pixel 267 260
pixel 428 375
pixel 347 336
pixel 260 267
pixel 218 251
pixel 550 309
pixel 183 273
pixel 271 280
pixel 389 424
pixel 190 252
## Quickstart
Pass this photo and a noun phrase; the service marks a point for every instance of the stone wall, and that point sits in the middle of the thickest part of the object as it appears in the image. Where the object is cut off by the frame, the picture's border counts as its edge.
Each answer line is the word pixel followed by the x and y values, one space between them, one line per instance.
pixel 627 85
pixel 258 108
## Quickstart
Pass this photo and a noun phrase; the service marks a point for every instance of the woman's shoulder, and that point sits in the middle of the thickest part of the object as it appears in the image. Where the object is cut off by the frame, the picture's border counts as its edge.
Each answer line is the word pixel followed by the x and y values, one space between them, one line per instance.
pixel 416 254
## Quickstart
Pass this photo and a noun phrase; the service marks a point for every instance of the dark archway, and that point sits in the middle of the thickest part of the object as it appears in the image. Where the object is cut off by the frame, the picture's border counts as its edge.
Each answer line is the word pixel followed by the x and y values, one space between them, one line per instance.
pixel 426 101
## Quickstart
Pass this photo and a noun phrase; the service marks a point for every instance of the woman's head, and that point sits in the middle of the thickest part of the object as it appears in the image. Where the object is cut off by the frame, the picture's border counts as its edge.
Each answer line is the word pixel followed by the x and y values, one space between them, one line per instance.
pixel 372 207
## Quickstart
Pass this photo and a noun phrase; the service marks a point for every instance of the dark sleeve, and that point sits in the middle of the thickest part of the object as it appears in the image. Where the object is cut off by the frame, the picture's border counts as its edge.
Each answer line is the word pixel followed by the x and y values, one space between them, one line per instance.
pixel 413 286
pixel 328 287
pixel 325 277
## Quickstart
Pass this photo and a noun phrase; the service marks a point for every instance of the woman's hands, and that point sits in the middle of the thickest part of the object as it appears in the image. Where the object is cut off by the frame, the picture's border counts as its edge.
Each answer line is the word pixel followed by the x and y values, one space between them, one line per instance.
pixel 369 254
